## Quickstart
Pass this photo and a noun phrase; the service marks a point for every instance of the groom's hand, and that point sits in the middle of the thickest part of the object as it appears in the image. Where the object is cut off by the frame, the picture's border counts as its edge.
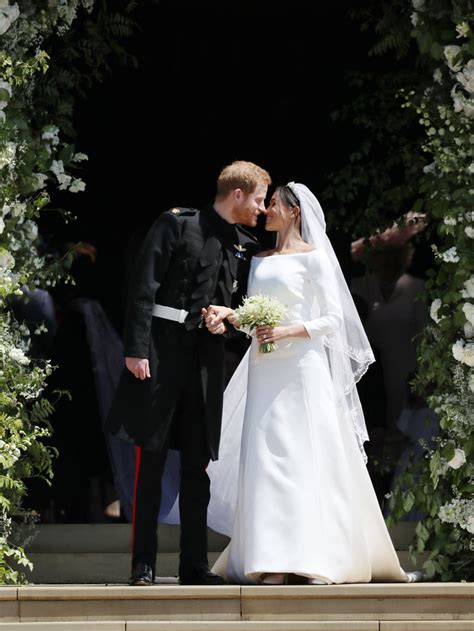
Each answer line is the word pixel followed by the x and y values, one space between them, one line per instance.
pixel 138 366
pixel 214 319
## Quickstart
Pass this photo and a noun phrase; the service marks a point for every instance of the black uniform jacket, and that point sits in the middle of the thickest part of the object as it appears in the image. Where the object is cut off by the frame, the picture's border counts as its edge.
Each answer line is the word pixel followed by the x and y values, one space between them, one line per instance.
pixel 190 259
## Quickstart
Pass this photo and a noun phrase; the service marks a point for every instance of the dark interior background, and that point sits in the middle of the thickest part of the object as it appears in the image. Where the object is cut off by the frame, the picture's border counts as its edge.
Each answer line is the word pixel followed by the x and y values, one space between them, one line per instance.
pixel 217 80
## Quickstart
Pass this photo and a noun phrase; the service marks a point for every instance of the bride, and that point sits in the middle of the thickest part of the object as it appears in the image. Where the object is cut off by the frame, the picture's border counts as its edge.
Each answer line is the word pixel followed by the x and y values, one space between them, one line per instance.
pixel 291 487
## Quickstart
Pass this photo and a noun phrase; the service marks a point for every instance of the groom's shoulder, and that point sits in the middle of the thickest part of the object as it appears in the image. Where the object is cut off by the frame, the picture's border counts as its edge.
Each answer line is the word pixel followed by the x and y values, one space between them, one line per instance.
pixel 180 212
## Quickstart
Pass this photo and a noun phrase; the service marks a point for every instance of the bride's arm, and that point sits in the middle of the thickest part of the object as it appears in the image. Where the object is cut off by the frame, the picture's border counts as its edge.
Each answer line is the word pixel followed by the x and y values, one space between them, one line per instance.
pixel 324 283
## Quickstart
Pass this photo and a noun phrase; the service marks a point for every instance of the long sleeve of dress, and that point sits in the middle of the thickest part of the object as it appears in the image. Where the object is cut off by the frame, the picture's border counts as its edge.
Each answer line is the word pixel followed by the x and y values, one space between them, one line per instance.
pixel 150 271
pixel 325 297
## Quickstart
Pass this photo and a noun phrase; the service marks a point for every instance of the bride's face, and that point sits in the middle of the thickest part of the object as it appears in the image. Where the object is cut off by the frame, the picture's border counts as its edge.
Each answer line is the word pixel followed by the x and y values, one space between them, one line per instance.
pixel 278 215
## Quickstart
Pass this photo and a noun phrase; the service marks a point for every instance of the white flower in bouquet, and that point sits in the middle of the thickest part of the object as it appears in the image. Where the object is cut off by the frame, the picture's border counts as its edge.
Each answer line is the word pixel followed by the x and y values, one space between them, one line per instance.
pixel 261 310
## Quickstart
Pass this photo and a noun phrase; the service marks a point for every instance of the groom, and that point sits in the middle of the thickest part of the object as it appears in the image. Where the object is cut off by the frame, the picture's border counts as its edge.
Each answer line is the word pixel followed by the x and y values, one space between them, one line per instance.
pixel 171 392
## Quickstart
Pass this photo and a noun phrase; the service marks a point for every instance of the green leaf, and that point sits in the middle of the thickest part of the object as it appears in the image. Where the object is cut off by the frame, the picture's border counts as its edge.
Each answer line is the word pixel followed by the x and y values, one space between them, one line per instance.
pixel 430 568
pixel 436 51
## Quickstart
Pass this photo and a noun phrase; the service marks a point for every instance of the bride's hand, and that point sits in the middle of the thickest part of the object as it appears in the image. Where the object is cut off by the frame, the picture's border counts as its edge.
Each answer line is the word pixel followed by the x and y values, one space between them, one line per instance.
pixel 268 334
pixel 271 334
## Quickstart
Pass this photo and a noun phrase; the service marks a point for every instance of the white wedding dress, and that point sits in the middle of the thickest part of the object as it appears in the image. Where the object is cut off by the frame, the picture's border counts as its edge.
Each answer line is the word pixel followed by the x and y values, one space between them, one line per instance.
pixel 291 487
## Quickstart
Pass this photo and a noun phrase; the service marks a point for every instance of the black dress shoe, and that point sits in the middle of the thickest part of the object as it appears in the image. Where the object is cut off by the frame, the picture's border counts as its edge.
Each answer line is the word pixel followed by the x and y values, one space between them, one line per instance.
pixel 142 574
pixel 203 577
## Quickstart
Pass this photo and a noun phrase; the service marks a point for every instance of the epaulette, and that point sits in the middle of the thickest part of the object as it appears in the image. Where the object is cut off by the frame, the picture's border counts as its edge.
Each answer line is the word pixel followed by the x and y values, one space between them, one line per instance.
pixel 247 233
pixel 183 212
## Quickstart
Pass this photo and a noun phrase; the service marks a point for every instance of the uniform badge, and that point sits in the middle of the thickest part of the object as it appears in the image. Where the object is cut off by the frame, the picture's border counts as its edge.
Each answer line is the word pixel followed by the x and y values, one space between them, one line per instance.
pixel 239 251
pixel 235 284
pixel 176 211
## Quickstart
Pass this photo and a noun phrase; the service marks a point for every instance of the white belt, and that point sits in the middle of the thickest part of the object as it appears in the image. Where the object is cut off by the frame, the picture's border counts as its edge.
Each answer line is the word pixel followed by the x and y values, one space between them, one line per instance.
pixel 170 313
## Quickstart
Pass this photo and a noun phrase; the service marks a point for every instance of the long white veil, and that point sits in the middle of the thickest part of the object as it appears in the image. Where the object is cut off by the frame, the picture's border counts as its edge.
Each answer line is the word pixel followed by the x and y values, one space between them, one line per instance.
pixel 349 355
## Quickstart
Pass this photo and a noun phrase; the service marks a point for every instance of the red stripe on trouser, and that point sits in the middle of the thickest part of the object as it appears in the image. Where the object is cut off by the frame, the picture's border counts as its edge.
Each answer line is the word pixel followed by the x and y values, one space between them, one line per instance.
pixel 138 456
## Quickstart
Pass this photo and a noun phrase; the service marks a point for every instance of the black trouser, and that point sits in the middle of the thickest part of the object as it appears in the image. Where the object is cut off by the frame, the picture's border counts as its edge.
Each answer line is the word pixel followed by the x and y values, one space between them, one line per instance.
pixel 188 427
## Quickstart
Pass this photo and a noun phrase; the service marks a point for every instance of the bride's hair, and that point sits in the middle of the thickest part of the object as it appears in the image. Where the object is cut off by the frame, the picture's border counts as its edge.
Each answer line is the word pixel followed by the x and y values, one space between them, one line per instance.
pixel 290 200
pixel 287 196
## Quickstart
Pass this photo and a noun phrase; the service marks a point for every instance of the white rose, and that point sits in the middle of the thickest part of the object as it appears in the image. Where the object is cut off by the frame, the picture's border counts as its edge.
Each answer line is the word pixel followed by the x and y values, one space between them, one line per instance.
pixel 79 157
pixel 438 75
pixel 64 181
pixel 51 133
pixel 462 30
pixel 418 5
pixel 41 179
pixel 18 209
pixel 450 54
pixel 458 350
pixel 4 85
pixel 458 459
pixel 470 524
pixel 17 355
pixel 466 76
pixel 450 221
pixel 468 310
pixel 414 18
pixel 6 260
pixel 31 230
pixel 450 256
pixel 468 291
pixel 468 108
pixel 2 225
pixel 435 305
pixel 468 355
pixel 468 330
pixel 8 14
pixel 57 167
pixel 77 186
pixel 469 230
pixel 471 382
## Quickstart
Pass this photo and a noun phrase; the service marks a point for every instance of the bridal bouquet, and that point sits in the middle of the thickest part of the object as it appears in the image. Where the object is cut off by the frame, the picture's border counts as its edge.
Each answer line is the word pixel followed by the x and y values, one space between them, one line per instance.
pixel 257 310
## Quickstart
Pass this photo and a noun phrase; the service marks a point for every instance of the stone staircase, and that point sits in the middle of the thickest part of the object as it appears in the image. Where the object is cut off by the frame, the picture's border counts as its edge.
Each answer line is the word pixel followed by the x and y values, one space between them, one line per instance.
pixel 98 557
pixel 372 607
pixel 100 553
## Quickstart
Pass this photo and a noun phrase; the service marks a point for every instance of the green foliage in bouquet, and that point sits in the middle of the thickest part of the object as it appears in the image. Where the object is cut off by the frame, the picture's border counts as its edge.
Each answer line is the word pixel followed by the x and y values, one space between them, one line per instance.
pixel 261 310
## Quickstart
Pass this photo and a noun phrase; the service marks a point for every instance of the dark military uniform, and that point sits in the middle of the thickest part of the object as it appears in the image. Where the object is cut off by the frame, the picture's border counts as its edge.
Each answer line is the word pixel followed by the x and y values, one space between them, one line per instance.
pixel 189 260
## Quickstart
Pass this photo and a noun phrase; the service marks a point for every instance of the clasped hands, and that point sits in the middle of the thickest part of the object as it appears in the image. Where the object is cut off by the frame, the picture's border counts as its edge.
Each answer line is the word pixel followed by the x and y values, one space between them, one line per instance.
pixel 215 315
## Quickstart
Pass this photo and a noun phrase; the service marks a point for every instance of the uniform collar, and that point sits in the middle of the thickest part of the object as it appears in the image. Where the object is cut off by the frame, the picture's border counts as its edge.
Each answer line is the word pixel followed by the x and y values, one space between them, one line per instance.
pixel 220 225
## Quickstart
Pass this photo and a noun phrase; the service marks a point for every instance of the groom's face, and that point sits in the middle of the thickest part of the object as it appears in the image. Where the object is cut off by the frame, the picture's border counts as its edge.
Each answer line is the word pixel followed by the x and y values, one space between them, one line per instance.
pixel 248 206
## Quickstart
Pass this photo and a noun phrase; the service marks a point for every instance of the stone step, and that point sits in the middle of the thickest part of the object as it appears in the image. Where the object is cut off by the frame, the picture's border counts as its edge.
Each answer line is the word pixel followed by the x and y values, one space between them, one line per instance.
pixel 391 607
pixel 102 538
pixel 117 537
pixel 114 567
pixel 333 625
